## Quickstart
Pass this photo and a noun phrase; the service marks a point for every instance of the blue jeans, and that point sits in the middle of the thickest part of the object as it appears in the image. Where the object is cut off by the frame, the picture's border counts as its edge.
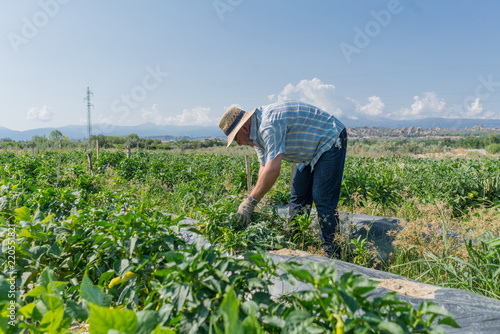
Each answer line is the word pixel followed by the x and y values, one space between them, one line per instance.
pixel 321 186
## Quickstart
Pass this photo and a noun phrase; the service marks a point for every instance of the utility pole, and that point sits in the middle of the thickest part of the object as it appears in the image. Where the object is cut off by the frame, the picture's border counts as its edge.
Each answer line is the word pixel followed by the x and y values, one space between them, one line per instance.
pixel 89 107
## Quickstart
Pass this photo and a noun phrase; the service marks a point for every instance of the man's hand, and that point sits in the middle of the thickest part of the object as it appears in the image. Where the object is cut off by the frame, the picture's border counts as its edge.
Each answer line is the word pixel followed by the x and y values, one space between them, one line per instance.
pixel 245 211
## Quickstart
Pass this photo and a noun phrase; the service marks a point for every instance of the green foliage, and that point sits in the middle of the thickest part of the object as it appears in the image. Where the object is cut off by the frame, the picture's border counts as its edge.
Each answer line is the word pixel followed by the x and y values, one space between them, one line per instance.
pixel 480 274
pixel 493 148
pixel 102 250
pixel 303 234
pixel 220 225
pixel 344 305
pixel 410 146
pixel 361 252
pixel 460 183
pixel 55 135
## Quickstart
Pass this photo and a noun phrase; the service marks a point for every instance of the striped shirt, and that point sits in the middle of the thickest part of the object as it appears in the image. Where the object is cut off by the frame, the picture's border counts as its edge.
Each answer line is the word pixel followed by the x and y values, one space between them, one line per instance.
pixel 299 131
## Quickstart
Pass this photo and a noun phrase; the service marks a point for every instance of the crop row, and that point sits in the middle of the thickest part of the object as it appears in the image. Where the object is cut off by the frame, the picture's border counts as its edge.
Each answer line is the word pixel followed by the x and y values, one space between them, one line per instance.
pixel 103 251
pixel 386 182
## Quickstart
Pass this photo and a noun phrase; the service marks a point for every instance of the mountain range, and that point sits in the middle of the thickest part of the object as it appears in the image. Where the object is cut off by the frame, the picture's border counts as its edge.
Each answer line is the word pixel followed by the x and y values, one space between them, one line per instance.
pixel 76 132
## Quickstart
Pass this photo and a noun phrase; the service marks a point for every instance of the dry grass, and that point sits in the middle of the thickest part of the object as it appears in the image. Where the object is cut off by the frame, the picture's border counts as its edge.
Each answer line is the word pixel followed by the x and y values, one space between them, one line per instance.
pixel 435 231
pixel 431 229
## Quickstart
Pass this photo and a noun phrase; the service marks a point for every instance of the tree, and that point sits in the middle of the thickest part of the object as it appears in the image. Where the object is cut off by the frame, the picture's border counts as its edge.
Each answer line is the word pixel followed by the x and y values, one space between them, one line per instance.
pixel 491 139
pixel 133 140
pixel 55 135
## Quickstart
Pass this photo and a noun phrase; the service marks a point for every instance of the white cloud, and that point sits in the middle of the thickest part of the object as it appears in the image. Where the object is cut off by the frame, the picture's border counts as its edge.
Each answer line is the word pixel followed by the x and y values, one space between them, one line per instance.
pixel 475 108
pixel 312 91
pixel 428 105
pixel 43 114
pixel 374 107
pixel 195 116
pixel 152 115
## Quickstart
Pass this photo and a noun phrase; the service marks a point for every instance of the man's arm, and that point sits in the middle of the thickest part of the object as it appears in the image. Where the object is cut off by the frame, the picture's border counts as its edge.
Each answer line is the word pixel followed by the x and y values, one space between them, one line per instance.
pixel 268 174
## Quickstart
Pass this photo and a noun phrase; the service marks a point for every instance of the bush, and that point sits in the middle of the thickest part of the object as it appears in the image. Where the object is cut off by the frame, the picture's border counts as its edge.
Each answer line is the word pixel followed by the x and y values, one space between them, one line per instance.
pixel 493 148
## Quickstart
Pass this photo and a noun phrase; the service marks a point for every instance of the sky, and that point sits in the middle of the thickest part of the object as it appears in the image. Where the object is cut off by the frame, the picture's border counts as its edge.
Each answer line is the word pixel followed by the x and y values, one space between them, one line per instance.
pixel 184 62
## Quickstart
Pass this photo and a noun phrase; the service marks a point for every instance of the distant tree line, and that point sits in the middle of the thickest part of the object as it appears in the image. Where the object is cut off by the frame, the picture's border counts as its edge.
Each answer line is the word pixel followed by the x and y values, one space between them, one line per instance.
pixel 490 143
pixel 57 139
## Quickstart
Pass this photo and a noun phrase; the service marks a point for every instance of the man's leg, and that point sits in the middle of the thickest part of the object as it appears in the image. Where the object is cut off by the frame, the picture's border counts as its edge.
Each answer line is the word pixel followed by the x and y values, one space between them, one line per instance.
pixel 300 196
pixel 327 181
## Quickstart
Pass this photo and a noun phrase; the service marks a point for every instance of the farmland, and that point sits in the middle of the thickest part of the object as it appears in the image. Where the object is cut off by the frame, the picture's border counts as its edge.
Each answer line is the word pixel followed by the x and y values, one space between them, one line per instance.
pixel 88 246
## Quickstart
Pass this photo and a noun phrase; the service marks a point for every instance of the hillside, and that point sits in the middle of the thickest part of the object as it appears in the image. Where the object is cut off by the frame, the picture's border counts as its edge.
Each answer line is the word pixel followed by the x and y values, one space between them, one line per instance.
pixel 378 129
pixel 365 132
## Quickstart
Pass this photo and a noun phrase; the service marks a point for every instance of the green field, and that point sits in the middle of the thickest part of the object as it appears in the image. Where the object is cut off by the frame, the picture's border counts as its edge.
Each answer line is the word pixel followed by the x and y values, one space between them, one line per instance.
pixel 103 249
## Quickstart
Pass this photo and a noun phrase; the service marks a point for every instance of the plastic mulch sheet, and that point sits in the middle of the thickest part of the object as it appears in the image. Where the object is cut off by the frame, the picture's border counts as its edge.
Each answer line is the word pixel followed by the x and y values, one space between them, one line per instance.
pixel 473 312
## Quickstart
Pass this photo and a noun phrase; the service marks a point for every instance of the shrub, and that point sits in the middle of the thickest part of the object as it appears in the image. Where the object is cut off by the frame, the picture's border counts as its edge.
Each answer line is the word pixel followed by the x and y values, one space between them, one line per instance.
pixel 493 148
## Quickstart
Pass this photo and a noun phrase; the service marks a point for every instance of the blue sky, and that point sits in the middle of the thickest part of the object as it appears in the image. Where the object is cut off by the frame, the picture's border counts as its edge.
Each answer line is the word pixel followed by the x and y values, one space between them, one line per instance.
pixel 186 62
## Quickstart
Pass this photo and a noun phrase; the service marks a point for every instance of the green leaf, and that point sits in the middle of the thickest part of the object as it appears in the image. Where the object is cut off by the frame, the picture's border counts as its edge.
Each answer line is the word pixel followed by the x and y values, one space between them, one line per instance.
pixel 54 251
pixel 261 298
pixel 23 214
pixel 349 300
pixel 493 243
pixel 127 218
pixel 46 277
pixel 56 287
pixel 146 321
pixel 75 311
pixel 161 330
pixel 162 272
pixel 251 325
pixel 122 266
pixel 362 285
pixel 93 294
pixel 180 296
pixel 36 292
pixel 52 320
pixel 105 276
pixel 302 275
pixel 165 312
pixel 27 310
pixel 434 330
pixel 449 321
pixel 274 321
pixel 371 318
pixel 298 321
pixel 25 233
pixel 255 257
pixel 133 241
pixel 4 289
pixel 390 327
pixel 431 308
pixel 40 310
pixel 249 306
pixel 102 320
pixel 229 309
pixel 192 321
pixel 52 301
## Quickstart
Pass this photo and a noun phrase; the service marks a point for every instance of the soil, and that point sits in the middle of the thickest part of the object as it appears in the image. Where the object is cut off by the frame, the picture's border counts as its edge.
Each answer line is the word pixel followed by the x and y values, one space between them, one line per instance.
pixel 402 287
pixel 289 252
pixel 408 288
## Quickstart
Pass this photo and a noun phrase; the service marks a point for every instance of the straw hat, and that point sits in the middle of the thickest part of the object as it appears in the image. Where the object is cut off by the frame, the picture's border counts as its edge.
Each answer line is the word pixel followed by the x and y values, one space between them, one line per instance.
pixel 232 121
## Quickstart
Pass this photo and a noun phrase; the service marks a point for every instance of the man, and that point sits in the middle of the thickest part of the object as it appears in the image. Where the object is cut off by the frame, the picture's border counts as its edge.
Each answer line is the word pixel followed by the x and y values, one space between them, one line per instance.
pixel 297 132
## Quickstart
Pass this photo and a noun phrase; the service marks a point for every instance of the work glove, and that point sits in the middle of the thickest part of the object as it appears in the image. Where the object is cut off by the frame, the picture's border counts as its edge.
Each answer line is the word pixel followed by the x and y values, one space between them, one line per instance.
pixel 245 211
